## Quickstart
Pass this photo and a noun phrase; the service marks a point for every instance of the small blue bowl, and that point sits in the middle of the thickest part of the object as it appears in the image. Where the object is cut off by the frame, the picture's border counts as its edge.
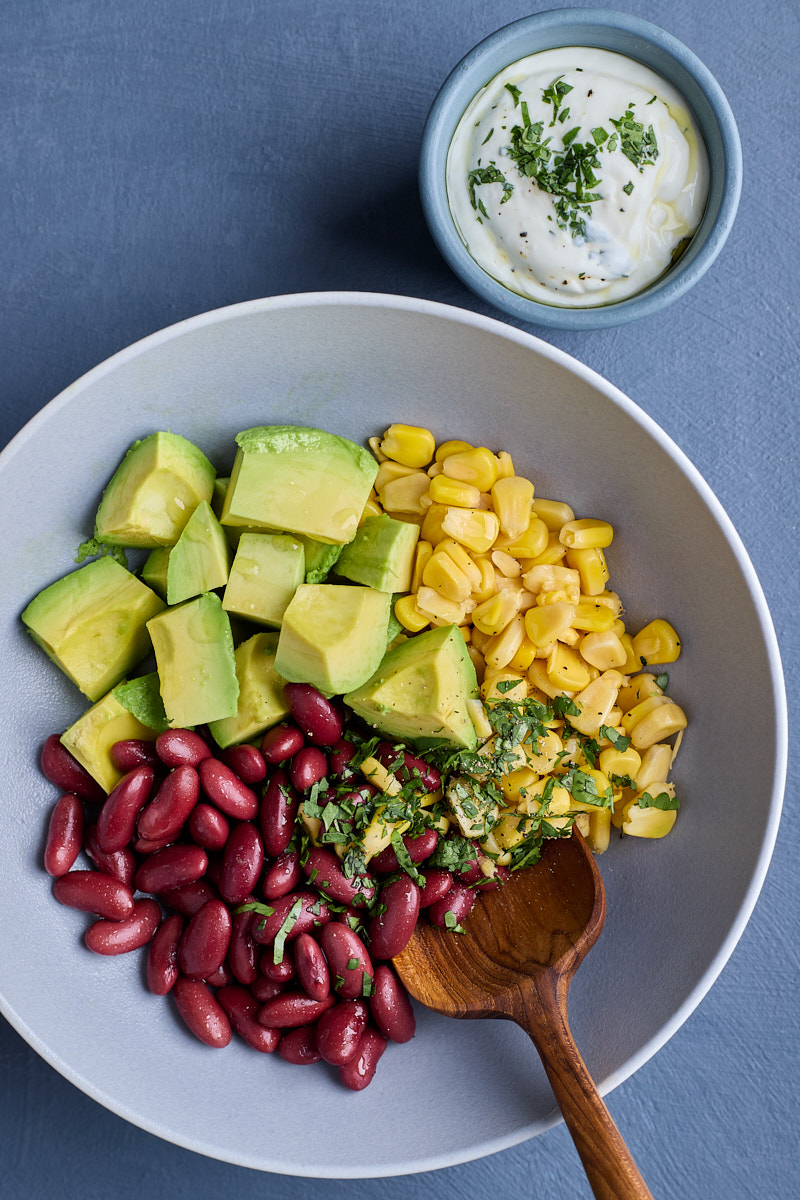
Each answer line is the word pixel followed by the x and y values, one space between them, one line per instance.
pixel 638 40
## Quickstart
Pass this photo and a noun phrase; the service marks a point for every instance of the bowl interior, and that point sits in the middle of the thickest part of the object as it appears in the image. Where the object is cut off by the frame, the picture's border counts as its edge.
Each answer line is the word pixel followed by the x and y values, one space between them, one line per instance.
pixel 352 364
pixel 604 30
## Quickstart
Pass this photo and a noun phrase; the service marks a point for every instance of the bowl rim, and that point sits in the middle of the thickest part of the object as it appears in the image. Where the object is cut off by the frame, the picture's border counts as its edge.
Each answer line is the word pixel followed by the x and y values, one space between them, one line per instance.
pixel 477 321
pixel 472 73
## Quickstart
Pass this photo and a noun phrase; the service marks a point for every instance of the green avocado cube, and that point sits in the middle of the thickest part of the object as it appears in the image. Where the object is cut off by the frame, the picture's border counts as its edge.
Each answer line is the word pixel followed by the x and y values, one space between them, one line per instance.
pixel 420 691
pixel 321 558
pixel 200 559
pixel 333 636
pixel 153 492
pixel 261 700
pixel 299 480
pixel 196 665
pixel 154 571
pixel 91 737
pixel 266 572
pixel 381 555
pixel 92 624
pixel 218 494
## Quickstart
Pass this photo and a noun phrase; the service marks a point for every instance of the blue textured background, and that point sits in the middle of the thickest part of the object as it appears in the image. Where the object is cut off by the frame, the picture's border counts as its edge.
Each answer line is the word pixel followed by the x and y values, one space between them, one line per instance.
pixel 163 157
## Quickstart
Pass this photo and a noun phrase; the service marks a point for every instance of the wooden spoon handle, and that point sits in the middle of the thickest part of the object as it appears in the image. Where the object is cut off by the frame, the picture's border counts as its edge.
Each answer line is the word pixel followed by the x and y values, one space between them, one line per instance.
pixel 608 1162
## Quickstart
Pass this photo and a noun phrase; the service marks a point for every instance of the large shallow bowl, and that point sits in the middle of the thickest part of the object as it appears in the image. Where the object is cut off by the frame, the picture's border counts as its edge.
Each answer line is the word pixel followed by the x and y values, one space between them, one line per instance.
pixel 353 363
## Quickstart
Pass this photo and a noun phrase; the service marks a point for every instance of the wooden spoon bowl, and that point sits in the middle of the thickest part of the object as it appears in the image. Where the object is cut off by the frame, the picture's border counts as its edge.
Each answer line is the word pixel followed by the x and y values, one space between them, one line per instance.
pixel 521 947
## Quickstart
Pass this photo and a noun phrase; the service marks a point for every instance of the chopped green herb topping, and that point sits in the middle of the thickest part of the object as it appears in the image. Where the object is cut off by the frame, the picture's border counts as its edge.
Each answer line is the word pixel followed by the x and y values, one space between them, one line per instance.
pixel 663 801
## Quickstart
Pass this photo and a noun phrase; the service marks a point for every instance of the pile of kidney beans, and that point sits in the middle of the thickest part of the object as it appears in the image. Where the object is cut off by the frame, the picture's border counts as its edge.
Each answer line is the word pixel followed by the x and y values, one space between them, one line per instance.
pixel 207 832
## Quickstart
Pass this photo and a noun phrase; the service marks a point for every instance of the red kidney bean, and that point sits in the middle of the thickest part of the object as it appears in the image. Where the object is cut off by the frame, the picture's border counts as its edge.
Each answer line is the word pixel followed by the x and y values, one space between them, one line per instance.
pixel 245 761
pixel 208 827
pixel 94 892
pixel 120 937
pixel 189 898
pixel 241 863
pixel 343 947
pixel 360 1069
pixel 64 835
pixel 227 791
pixel 291 1009
pixel 350 916
pixel 134 752
pixel 312 969
pixel 201 1012
pixel 162 957
pixel 121 863
pixel 181 748
pixel 117 819
pixel 314 714
pixel 205 941
pixel 221 977
pixel 263 989
pixel 283 876
pixel 278 812
pixel 281 743
pixel 340 755
pixel 168 811
pixel 309 765
pixel 339 1031
pixel 419 848
pixel 428 776
pixel 437 884
pixel 66 772
pixel 171 868
pixel 145 846
pixel 242 958
pixel 241 1008
pixel 214 869
pixel 390 1006
pixel 299 1046
pixel 324 870
pixel 391 931
pixel 279 972
pixel 490 883
pixel 458 901
pixel 313 913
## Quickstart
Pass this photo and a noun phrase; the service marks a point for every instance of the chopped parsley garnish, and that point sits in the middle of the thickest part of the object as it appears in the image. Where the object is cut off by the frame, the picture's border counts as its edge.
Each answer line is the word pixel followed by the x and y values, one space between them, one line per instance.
pixel 628 188
pixel 490 174
pixel 637 143
pixel 663 801
pixel 289 922
pixel 554 94
pixel 515 93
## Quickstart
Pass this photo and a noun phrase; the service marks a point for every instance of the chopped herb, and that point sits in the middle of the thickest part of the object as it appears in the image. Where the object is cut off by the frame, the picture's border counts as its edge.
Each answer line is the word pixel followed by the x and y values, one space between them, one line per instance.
pixel 628 188
pixel 554 94
pixel 489 134
pixel 638 144
pixel 663 801
pixel 662 681
pixel 505 685
pixel 617 739
pixel 289 922
pixel 490 174
pixel 515 93
pixel 352 963
pixel 92 547
pixel 652 100
pixel 366 985
pixel 600 135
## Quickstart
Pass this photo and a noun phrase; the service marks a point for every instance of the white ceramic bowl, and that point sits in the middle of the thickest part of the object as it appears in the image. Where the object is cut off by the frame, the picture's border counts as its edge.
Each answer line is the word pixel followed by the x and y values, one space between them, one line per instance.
pixel 352 363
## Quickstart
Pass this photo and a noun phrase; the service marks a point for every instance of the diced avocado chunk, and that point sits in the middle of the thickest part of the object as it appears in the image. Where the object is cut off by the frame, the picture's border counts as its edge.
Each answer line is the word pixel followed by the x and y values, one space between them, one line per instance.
pixel 142 698
pixel 261 699
pixel 91 737
pixel 92 624
pixel 394 628
pixel 299 480
pixel 196 666
pixel 420 691
pixel 154 571
pixel 381 554
pixel 153 492
pixel 218 494
pixel 333 636
pixel 321 557
pixel 200 559
pixel 266 573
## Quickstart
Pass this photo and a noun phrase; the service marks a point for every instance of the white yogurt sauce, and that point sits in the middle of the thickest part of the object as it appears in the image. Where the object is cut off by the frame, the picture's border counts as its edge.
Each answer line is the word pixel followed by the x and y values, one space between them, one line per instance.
pixel 562 248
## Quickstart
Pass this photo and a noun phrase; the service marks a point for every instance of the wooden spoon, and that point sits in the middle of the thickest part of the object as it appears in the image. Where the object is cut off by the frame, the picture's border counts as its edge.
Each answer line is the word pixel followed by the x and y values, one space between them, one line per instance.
pixel 523 944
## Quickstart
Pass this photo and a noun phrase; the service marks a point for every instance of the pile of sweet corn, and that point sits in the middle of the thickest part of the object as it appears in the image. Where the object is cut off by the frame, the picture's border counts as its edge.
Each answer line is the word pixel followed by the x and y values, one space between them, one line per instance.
pixel 527 583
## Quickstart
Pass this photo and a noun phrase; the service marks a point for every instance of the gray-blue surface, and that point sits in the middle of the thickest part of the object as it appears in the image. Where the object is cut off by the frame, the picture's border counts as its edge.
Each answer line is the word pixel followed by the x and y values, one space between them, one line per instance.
pixel 164 157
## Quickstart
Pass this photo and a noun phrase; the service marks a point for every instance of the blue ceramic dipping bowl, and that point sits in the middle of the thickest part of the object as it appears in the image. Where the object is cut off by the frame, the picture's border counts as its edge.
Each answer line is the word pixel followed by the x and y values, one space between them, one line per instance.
pixel 623 34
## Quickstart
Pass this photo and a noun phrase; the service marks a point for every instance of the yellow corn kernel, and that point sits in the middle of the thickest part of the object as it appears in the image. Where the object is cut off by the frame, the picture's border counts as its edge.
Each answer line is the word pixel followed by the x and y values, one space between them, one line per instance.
pixel 452 447
pixel 558 805
pixel 655 766
pixel 409 616
pixel 643 709
pixel 524 656
pixel 505 583
pixel 492 616
pixel 375 447
pixel 371 509
pixel 586 534
pixel 656 643
pixel 514 785
pixel 526 600
pixel 603 650
pixel 409 445
pixel 378 834
pixel 405 495
pixel 422 554
pixel 462 560
pixel 591 564
pixel 657 725
pixel 485 502
pixel 478 661
pixel 510 830
pixel 595 702
pixel 518 690
pixel 488 584
pixel 595 618
pixel 434 469
pixel 505 465
pixel 377 774
pixel 551 578
pixel 529 544
pixel 609 599
pixel 444 490
pixel 478 466
pixel 632 663
pixel 501 648
pixel 431 529
pixel 389 471
pixel 599 834
pixel 581 823
pixel 471 527
pixel 553 552
pixel 638 689
pixel 505 564
pixel 538 677
pixel 620 762
pixel 542 755
pixel 544 624
pixel 511 499
pixel 648 822
pixel 479 638
pixel 565 669
pixel 442 574
pixel 480 721
pixel 466 633
pixel 614 718
pixel 554 513
pixel 618 627
pixel 439 609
